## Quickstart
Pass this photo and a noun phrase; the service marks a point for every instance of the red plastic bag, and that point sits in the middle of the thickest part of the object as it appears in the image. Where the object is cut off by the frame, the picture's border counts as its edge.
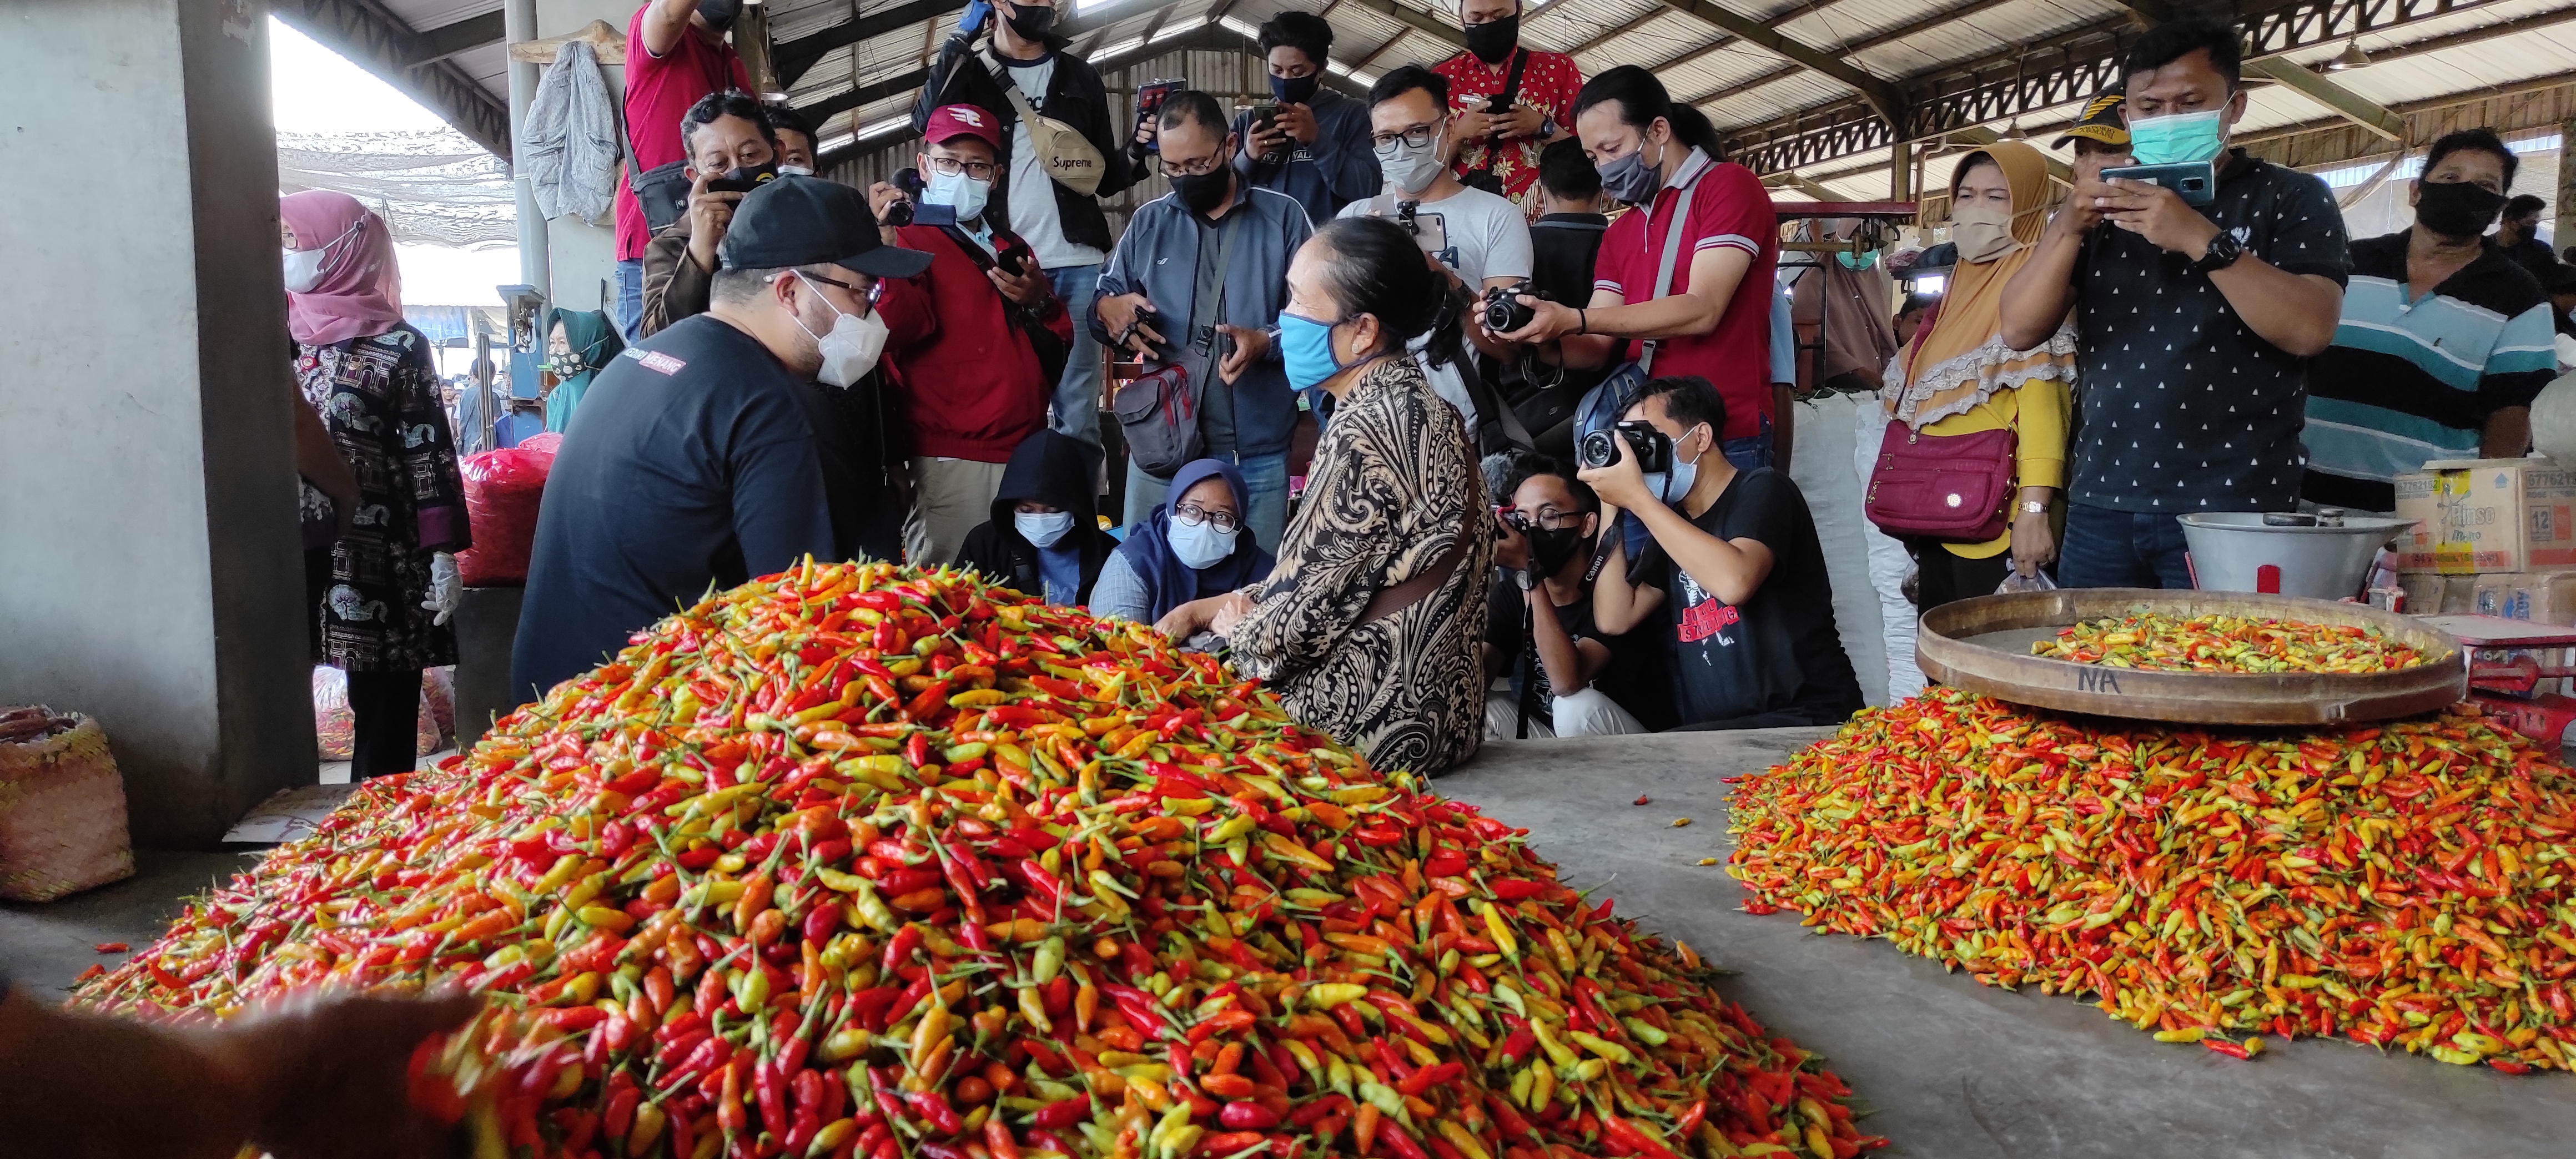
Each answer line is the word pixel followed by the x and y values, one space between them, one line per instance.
pixel 501 493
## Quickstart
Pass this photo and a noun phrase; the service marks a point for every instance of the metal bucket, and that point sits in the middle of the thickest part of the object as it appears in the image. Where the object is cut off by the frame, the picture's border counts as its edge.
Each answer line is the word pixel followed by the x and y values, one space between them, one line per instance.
pixel 2323 556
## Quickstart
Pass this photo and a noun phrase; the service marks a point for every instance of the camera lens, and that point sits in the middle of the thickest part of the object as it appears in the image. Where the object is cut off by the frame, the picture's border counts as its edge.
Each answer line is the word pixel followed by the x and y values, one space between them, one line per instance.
pixel 1599 449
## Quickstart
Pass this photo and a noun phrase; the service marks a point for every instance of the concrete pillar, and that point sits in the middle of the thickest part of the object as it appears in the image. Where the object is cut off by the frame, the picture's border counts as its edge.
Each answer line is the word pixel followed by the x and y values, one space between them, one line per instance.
pixel 1900 171
pixel 2566 199
pixel 519 23
pixel 150 567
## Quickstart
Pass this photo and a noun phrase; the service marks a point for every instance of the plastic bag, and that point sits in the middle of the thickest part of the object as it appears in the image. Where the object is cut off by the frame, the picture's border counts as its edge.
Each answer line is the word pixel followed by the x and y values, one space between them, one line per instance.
pixel 2014 581
pixel 502 489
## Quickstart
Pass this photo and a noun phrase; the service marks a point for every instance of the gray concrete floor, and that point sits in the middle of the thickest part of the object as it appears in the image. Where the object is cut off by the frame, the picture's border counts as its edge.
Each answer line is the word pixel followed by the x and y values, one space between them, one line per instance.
pixel 44 947
pixel 1952 1068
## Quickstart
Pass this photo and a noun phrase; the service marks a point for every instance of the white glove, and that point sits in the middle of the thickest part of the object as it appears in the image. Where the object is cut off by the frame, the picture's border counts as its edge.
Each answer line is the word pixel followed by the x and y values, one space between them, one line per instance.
pixel 446 587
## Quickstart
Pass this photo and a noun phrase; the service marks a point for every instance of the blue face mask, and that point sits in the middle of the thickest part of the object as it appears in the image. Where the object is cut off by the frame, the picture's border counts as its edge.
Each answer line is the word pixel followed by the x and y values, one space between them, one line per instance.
pixel 1306 346
pixel 1043 529
pixel 2177 138
pixel 1673 486
pixel 1200 545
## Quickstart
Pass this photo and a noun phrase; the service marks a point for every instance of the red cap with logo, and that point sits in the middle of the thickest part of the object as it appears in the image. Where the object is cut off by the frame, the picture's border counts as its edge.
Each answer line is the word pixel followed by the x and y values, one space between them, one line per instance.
pixel 949 121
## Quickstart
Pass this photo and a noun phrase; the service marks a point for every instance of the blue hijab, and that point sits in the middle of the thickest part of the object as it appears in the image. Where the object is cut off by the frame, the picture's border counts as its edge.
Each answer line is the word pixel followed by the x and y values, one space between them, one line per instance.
pixel 1149 546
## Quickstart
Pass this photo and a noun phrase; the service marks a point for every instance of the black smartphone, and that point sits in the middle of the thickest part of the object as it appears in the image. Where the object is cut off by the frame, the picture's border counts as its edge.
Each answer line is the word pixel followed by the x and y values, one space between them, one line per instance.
pixel 2195 181
pixel 1264 116
pixel 1014 257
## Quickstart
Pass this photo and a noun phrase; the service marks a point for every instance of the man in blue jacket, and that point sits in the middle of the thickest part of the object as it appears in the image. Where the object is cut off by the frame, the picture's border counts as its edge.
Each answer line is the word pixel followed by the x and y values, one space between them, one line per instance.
pixel 1198 281
pixel 1317 149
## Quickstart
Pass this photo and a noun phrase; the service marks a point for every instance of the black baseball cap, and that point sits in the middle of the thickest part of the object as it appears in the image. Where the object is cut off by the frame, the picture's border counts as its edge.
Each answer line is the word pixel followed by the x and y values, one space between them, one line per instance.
pixel 2100 122
pixel 804 221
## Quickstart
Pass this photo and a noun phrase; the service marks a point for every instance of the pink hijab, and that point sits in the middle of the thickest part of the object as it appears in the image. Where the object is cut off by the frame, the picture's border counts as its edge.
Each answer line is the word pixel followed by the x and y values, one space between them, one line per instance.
pixel 360 294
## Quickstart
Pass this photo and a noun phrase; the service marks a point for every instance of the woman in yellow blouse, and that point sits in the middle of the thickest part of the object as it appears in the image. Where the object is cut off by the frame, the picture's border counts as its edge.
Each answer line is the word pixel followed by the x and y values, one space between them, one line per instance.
pixel 1959 377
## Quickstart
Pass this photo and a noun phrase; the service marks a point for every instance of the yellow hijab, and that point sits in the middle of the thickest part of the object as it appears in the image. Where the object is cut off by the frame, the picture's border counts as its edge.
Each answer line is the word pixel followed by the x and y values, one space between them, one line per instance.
pixel 1962 358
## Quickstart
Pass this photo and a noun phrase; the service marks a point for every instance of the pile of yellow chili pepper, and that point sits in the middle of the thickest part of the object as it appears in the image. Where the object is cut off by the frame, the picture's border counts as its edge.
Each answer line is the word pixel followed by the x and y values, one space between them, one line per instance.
pixel 2147 640
pixel 2403 885
pixel 860 861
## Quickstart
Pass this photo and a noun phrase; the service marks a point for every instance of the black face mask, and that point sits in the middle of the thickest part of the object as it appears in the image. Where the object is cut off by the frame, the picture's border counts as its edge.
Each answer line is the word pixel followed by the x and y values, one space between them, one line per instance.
pixel 1030 23
pixel 1203 192
pixel 1493 40
pixel 719 14
pixel 1550 549
pixel 2456 208
pixel 1296 90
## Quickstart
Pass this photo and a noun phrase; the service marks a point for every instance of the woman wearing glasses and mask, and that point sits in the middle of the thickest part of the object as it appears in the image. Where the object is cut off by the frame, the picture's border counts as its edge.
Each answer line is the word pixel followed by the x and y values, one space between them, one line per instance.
pixel 1194 545
pixel 1367 627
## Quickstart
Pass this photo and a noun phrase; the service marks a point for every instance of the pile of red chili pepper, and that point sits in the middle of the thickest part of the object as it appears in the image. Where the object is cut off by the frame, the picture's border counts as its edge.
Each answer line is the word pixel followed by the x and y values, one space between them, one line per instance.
pixel 2402 885
pixel 859 861
pixel 2147 640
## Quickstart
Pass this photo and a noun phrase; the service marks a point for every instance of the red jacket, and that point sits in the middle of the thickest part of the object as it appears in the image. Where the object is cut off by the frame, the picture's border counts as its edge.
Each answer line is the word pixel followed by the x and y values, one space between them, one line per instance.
pixel 965 376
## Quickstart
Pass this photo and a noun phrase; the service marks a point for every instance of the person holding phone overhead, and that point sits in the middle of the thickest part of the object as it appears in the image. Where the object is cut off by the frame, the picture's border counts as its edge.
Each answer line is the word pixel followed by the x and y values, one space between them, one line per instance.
pixel 1314 145
pixel 1195 286
pixel 974 344
pixel 2198 321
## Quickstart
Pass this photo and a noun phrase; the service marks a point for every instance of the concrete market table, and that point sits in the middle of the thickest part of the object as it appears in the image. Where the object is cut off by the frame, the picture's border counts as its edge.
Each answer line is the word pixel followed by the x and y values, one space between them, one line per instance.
pixel 1952 1068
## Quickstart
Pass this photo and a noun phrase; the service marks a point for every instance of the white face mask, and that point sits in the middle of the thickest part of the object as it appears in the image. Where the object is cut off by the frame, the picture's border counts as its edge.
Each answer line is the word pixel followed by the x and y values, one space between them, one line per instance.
pixel 959 192
pixel 787 170
pixel 1409 169
pixel 851 348
pixel 1201 545
pixel 304 267
pixel 1045 529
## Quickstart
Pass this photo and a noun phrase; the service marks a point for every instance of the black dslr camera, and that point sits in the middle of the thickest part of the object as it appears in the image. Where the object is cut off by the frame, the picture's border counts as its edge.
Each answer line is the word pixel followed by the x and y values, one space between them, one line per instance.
pixel 1653 449
pixel 1503 310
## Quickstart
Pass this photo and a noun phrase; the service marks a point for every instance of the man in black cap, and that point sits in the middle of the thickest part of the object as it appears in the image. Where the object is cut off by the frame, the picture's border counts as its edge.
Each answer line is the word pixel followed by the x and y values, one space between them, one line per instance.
pixel 703 456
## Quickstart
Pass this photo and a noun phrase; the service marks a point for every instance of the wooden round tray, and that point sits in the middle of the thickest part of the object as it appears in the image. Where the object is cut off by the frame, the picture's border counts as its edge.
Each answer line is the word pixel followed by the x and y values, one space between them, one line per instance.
pixel 1983 645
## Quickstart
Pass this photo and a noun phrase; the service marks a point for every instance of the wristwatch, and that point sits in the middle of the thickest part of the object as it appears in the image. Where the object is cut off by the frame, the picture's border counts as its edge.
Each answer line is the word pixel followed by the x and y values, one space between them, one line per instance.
pixel 2222 252
pixel 2033 507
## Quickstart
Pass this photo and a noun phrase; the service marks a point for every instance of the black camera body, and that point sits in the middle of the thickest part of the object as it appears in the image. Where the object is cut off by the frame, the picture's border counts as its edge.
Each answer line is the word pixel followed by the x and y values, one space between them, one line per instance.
pixel 1503 309
pixel 907 179
pixel 1651 448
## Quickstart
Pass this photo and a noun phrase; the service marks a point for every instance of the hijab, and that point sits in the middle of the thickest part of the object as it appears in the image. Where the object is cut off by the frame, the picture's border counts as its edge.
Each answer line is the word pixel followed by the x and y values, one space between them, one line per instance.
pixel 1960 357
pixel 360 292
pixel 594 340
pixel 1172 583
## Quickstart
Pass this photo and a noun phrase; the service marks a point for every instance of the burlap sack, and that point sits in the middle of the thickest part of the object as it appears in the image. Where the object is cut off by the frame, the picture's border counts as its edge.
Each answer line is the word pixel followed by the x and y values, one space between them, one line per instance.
pixel 62 815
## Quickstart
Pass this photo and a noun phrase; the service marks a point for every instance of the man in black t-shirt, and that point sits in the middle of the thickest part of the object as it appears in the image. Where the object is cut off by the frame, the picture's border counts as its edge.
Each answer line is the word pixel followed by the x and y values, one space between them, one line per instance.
pixel 1735 557
pixel 703 456
pixel 2197 321
pixel 1568 677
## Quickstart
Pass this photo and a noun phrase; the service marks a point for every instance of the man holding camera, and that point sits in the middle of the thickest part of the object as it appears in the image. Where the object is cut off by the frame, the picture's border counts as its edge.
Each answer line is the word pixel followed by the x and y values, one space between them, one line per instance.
pixel 731 148
pixel 976 343
pixel 677 55
pixel 1197 283
pixel 1563 667
pixel 1507 101
pixel 1315 146
pixel 2198 320
pixel 1734 554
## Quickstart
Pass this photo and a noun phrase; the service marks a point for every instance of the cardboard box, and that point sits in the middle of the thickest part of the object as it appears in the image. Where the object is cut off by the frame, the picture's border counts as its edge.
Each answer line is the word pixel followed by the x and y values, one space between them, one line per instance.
pixel 2428 594
pixel 2547 597
pixel 2488 515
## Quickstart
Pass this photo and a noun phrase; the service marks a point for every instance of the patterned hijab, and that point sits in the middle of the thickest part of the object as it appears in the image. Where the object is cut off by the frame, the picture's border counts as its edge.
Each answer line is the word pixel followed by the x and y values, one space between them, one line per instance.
pixel 360 294
pixel 1960 357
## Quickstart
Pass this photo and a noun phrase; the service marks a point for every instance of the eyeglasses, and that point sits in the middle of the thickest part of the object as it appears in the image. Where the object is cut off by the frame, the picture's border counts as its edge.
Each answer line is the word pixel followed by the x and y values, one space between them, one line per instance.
pixel 875 289
pixel 1553 520
pixel 1194 515
pixel 951 167
pixel 1418 137
pixel 1197 168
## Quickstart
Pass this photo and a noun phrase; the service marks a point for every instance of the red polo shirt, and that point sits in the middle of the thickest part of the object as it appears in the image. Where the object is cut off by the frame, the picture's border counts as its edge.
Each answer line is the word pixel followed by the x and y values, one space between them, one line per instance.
pixel 1728 208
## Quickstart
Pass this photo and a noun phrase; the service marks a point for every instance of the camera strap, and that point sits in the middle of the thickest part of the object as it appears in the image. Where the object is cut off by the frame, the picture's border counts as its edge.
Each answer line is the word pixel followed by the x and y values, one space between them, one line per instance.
pixel 1664 271
pixel 1511 92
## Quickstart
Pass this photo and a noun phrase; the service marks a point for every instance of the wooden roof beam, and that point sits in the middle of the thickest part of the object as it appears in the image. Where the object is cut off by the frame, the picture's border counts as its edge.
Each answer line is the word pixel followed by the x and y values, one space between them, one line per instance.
pixel 1882 97
pixel 2344 102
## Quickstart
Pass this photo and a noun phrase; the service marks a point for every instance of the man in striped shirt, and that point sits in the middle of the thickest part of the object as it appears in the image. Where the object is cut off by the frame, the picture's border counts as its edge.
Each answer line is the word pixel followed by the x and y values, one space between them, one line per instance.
pixel 2443 343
